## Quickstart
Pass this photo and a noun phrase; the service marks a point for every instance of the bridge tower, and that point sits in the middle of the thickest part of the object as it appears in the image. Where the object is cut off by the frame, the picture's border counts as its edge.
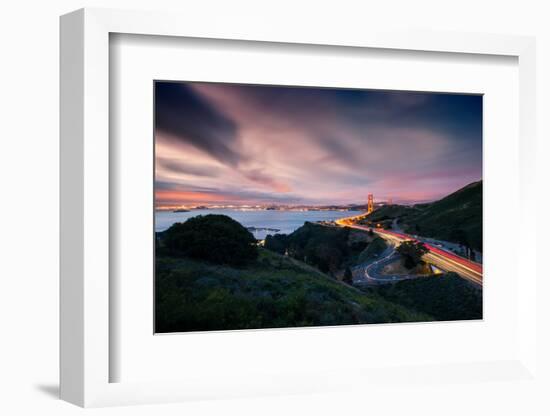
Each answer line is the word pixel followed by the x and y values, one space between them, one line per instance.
pixel 370 203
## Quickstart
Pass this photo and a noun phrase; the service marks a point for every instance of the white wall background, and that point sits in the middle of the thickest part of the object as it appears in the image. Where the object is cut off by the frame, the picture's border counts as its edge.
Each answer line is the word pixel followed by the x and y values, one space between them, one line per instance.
pixel 29 56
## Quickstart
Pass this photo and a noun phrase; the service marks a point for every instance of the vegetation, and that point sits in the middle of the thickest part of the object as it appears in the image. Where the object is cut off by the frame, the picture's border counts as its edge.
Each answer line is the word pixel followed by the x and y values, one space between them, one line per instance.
pixel 388 212
pixel 328 248
pixel 214 238
pixel 323 247
pixel 277 243
pixel 445 298
pixel 210 275
pixel 271 291
pixel 348 276
pixel 412 252
pixel 373 250
pixel 456 218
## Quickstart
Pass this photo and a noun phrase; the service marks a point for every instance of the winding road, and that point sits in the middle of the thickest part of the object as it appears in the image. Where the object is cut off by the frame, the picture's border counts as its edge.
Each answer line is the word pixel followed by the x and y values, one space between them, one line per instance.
pixel 442 259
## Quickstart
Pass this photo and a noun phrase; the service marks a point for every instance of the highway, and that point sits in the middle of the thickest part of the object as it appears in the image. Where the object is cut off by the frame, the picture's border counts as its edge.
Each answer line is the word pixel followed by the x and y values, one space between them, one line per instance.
pixel 442 259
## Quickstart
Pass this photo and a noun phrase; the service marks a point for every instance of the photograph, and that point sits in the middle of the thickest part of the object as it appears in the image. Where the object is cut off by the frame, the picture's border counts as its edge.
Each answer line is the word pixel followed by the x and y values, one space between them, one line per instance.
pixel 295 206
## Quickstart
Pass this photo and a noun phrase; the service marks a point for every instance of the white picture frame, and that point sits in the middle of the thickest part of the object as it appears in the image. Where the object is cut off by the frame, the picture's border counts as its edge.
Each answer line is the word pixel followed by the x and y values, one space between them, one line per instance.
pixel 85 210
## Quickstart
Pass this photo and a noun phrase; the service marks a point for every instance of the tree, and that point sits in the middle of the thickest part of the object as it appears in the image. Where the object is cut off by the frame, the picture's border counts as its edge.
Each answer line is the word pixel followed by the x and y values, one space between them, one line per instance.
pixel 412 251
pixel 459 235
pixel 326 255
pixel 277 243
pixel 348 276
pixel 214 238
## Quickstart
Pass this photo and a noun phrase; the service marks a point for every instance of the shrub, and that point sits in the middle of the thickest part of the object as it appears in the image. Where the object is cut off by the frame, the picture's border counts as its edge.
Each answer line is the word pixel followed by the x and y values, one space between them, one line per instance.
pixel 348 276
pixel 276 243
pixel 412 252
pixel 446 297
pixel 214 238
pixel 374 249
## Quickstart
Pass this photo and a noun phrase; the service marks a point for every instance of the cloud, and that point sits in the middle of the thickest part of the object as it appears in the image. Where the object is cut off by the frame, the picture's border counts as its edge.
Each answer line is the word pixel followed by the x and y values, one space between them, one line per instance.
pixel 177 193
pixel 258 176
pixel 183 116
pixel 317 145
pixel 181 167
pixel 178 186
pixel 187 117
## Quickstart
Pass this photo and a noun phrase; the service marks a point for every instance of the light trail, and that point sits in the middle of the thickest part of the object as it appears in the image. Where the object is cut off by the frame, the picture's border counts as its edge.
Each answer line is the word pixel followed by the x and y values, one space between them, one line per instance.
pixel 444 260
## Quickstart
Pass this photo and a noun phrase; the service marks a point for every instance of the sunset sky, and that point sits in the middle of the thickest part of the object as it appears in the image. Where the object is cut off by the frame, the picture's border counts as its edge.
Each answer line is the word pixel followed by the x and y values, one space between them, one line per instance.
pixel 248 145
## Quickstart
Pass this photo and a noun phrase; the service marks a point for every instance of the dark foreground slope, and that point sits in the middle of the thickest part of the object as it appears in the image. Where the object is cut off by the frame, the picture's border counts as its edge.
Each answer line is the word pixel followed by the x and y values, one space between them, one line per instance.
pixel 445 297
pixel 272 291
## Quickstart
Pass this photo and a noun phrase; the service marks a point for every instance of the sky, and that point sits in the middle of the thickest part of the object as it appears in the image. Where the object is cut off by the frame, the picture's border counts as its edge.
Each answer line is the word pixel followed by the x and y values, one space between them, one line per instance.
pixel 235 144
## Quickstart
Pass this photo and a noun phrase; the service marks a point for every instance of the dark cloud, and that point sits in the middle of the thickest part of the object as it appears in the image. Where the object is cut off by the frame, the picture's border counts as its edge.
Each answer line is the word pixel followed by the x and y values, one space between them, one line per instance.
pixel 458 116
pixel 189 118
pixel 323 144
pixel 339 148
pixel 179 186
pixel 179 166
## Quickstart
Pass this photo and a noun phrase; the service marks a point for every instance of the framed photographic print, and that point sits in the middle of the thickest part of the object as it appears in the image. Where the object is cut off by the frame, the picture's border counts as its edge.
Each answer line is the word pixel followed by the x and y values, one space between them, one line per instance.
pixel 258 211
pixel 266 216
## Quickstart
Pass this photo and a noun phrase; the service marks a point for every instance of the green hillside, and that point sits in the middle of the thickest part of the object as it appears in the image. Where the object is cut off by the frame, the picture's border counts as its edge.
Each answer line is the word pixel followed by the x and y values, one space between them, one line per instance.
pixel 457 217
pixel 272 291
pixel 389 212
pixel 330 249
pixel 445 297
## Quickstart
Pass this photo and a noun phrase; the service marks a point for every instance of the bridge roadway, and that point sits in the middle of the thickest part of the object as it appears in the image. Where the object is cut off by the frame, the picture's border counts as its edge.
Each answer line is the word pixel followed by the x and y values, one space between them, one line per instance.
pixel 442 259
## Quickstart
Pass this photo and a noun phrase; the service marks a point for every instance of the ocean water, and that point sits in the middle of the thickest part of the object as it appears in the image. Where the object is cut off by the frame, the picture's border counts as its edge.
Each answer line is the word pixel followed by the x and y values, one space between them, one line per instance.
pixel 284 221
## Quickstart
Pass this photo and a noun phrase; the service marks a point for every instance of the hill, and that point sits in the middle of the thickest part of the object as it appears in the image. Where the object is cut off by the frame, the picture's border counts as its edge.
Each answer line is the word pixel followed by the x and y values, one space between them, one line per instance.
pixel 330 249
pixel 457 217
pixel 385 215
pixel 272 291
pixel 213 238
pixel 447 297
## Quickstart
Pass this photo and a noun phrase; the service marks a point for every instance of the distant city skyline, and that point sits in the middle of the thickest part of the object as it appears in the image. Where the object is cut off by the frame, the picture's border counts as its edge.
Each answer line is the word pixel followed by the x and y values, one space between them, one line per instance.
pixel 230 144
